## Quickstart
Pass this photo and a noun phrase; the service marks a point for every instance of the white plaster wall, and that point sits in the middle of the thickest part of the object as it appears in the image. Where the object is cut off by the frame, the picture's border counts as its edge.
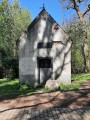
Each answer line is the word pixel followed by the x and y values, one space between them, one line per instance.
pixel 26 66
pixel 43 31
pixel 62 58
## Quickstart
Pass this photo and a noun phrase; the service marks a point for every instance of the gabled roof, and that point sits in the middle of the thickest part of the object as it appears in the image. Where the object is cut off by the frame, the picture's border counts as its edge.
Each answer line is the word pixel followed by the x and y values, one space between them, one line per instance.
pixel 44 14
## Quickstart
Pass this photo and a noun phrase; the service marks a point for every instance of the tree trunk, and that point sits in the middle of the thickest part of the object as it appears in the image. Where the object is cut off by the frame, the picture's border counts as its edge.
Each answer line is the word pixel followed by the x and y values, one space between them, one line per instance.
pixel 85 41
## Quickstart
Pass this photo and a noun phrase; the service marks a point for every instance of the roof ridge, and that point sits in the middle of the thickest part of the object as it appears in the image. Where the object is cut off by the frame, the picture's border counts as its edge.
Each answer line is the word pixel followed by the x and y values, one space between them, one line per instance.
pixel 35 20
pixel 50 18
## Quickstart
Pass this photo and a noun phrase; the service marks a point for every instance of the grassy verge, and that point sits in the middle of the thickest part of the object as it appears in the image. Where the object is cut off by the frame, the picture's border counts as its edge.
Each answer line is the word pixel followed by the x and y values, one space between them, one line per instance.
pixel 77 80
pixel 80 77
pixel 73 86
pixel 13 88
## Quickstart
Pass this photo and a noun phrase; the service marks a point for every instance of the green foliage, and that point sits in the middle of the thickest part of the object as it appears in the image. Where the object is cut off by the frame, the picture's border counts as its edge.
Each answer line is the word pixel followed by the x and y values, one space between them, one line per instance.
pixel 10 65
pixel 13 21
pixel 73 86
pixel 74 30
pixel 77 62
pixel 88 36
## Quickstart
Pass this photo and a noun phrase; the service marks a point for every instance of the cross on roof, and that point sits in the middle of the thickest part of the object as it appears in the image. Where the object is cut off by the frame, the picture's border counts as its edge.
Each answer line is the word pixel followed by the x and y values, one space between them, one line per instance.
pixel 43 7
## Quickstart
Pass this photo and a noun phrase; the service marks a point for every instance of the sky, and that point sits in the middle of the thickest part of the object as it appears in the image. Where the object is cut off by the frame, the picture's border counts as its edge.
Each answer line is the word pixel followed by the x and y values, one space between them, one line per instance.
pixel 53 7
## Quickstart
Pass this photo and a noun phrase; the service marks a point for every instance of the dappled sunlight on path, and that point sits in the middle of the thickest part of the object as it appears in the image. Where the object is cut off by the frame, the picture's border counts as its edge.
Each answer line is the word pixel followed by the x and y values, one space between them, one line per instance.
pixel 79 99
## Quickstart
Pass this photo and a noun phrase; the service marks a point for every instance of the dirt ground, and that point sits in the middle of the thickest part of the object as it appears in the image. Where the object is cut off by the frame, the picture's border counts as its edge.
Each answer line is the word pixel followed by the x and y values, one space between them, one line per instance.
pixel 70 99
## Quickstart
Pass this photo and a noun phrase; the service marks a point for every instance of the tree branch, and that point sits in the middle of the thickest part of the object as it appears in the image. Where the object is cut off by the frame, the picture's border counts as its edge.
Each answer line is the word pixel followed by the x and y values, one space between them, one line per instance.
pixel 68 7
pixel 87 10
pixel 80 1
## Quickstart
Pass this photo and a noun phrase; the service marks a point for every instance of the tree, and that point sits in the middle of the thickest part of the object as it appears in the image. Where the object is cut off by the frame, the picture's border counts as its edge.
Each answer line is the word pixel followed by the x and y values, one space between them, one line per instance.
pixel 74 30
pixel 75 4
pixel 13 21
pixel 88 35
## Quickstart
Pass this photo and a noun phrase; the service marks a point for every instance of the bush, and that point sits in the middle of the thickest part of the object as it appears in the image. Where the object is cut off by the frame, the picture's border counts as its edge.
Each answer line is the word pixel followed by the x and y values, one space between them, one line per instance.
pixel 77 62
pixel 10 65
pixel 73 86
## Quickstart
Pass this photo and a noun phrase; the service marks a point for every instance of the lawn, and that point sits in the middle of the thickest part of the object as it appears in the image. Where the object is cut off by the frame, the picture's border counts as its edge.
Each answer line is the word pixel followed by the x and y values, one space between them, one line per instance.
pixel 77 79
pixel 13 88
pixel 80 77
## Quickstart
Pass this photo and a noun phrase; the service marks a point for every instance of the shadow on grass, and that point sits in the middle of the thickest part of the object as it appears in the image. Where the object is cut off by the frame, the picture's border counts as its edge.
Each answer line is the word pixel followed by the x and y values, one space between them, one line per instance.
pixel 13 89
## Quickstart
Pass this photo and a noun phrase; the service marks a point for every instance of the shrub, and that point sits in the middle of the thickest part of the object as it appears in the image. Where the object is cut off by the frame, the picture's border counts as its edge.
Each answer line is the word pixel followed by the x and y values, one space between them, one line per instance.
pixel 10 65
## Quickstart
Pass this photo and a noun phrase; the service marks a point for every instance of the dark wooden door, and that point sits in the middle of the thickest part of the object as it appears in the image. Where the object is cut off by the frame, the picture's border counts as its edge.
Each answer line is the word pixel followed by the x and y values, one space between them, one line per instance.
pixel 45 70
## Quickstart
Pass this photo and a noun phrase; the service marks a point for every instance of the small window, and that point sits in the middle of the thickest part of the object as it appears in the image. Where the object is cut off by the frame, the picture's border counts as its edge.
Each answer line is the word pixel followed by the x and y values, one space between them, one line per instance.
pixel 44 45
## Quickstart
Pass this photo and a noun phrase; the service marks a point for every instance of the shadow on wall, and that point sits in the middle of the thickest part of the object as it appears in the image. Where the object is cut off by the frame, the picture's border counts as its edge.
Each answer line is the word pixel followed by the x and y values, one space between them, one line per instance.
pixel 45 50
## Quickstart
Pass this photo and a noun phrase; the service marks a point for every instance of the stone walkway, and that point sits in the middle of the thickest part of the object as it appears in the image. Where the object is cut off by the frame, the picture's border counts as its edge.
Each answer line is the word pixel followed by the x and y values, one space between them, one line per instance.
pixel 47 114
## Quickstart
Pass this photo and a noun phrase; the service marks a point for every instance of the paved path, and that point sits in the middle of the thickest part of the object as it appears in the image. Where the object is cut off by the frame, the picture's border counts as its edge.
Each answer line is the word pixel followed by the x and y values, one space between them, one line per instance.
pixel 72 105
pixel 47 114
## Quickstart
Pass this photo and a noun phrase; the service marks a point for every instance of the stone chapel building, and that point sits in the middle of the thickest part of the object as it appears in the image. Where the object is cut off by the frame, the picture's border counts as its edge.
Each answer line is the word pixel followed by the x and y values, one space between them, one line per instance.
pixel 44 52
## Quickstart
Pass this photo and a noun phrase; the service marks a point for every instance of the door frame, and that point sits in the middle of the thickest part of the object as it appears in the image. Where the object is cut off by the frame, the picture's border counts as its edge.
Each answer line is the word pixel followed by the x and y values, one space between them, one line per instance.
pixel 38 58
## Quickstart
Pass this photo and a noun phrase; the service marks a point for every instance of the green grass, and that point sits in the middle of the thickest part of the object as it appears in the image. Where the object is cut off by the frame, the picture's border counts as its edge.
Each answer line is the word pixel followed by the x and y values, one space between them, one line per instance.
pixel 13 88
pixel 80 77
pixel 77 78
pixel 73 86
pixel 46 90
